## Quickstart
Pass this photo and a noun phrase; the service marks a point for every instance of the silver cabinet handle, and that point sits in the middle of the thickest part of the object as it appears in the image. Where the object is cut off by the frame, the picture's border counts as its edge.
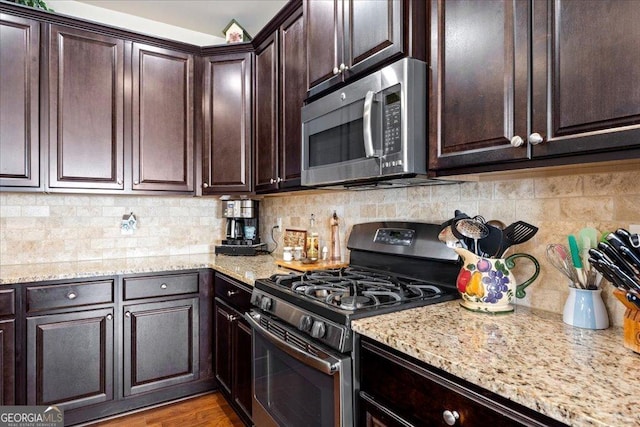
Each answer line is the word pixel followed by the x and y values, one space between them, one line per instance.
pixel 517 141
pixel 336 70
pixel 232 293
pixel 127 314
pixel 450 417
pixel 343 67
pixel 205 185
pixel 72 295
pixel 109 317
pixel 535 138
pixel 163 286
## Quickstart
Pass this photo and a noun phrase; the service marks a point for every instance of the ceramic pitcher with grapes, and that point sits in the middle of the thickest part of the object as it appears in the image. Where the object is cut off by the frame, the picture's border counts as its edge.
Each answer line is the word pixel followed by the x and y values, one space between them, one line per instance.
pixel 488 285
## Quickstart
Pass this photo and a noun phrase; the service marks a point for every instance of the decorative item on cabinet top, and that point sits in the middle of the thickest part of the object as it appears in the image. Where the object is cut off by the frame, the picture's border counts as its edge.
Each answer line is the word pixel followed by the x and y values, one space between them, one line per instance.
pixel 234 33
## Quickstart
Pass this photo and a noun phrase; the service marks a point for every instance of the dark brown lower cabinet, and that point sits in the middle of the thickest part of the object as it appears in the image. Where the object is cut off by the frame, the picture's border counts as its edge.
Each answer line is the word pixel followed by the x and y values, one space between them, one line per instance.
pixel 233 345
pixel 7 362
pixel 70 358
pixel 160 345
pixel 397 390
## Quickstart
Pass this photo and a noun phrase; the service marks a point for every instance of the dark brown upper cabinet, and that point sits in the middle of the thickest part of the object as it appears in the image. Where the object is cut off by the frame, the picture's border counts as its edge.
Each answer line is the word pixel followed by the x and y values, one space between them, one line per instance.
pixel 226 147
pixel 492 108
pixel 19 103
pixel 162 119
pixel 86 116
pixel 345 38
pixel 280 90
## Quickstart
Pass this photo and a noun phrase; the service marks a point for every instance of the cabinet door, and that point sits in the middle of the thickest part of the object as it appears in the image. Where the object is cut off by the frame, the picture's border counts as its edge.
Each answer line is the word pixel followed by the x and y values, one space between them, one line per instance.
pixel 161 345
pixel 226 157
pixel 374 33
pixel 86 130
pixel 19 103
pixel 478 98
pixel 266 115
pixel 70 358
pixel 293 90
pixel 7 362
pixel 586 74
pixel 223 336
pixel 162 119
pixel 242 360
pixel 324 41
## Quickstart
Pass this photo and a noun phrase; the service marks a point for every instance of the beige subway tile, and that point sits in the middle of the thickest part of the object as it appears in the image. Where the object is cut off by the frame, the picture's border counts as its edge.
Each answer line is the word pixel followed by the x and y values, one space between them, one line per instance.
pixel 476 190
pixel 10 210
pixel 537 210
pixel 102 243
pixel 627 208
pixel 587 208
pixel 21 199
pixel 35 211
pixel 446 192
pixel 514 189
pixel 612 184
pixel 367 211
pixel 559 186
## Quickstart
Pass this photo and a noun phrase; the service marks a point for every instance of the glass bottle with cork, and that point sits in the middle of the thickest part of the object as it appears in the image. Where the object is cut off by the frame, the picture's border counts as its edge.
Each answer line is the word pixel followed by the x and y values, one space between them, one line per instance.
pixel 312 240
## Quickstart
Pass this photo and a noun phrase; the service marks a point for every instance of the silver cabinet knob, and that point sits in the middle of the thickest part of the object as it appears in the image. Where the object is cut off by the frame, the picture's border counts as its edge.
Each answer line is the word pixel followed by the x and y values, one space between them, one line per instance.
pixel 343 67
pixel 205 185
pixel 450 417
pixel 119 181
pixel 163 286
pixel 272 181
pixel 535 138
pixel 517 141
pixel 336 70
pixel 232 293
pixel 72 295
pixel 109 317
pixel 127 314
pixel 278 180
pixel 136 182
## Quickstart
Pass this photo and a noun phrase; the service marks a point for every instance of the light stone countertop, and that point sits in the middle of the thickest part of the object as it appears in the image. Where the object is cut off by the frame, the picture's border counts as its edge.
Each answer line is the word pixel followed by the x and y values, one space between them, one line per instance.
pixel 243 268
pixel 578 376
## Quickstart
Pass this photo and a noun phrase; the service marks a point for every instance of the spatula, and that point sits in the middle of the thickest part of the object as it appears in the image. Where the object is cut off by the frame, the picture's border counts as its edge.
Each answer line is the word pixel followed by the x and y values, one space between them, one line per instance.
pixel 516 233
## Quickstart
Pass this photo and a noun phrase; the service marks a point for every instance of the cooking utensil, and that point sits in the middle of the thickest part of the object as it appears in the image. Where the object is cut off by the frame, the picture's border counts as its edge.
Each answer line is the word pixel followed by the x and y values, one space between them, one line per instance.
pixel 490 245
pixel 633 298
pixel 628 254
pixel 446 236
pixel 516 233
pixel 558 256
pixel 473 229
pixel 616 258
pixel 497 223
pixel 628 240
pixel 635 240
pixel 577 260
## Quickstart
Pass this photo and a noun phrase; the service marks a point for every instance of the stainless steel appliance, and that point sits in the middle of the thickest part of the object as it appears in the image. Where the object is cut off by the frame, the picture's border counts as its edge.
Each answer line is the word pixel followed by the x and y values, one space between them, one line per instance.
pixel 371 132
pixel 302 367
pixel 243 228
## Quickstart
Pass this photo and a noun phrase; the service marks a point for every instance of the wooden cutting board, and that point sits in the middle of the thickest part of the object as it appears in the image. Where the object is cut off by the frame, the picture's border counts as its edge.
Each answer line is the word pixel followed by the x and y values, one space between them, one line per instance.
pixel 320 265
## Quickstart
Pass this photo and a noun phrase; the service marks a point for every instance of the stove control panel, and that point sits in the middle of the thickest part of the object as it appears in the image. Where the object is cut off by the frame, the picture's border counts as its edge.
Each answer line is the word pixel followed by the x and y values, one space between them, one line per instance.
pixel 394 236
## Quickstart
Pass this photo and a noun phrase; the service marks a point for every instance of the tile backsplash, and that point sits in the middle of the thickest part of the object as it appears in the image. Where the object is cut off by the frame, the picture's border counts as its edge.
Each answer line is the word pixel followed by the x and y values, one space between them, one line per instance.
pixel 57 227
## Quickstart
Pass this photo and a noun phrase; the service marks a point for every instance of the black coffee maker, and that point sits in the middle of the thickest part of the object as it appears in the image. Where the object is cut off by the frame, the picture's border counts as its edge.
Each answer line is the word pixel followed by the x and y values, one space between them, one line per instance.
pixel 243 230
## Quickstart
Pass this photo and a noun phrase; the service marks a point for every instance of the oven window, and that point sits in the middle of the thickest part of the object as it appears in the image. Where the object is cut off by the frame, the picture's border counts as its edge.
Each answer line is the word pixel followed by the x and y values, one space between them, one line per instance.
pixel 338 144
pixel 292 393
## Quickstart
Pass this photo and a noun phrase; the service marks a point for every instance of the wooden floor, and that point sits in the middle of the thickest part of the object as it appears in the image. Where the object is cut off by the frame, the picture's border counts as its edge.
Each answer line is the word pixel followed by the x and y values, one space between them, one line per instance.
pixel 207 410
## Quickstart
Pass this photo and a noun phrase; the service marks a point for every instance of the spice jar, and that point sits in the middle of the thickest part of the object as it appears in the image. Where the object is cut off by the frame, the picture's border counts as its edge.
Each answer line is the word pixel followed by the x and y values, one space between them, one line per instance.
pixel 297 253
pixel 287 255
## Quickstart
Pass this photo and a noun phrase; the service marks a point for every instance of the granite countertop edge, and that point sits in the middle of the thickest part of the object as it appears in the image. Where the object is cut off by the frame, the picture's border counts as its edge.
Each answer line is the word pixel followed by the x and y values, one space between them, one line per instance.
pixel 242 268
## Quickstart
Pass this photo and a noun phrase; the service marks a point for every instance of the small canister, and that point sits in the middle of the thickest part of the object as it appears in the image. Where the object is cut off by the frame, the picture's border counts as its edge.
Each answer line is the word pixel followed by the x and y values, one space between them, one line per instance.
pixel 287 255
pixel 297 253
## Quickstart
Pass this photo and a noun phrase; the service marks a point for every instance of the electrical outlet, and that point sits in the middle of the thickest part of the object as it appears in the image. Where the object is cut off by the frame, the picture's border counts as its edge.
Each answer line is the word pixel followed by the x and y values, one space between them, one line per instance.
pixel 634 228
pixel 279 223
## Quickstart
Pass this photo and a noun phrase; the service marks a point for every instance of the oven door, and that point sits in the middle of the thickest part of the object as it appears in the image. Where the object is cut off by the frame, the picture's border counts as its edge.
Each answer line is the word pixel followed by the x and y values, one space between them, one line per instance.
pixel 296 382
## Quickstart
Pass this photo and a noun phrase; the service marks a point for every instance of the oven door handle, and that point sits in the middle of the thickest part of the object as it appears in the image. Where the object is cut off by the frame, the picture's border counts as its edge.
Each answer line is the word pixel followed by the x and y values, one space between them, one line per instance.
pixel 329 366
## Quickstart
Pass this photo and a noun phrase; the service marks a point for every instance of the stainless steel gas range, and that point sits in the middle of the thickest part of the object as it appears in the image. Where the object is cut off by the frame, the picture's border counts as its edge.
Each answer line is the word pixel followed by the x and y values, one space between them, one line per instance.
pixel 302 339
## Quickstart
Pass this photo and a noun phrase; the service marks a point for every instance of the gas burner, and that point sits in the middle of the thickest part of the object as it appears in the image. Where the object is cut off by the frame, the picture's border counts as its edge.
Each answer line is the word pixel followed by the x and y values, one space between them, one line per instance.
pixel 354 302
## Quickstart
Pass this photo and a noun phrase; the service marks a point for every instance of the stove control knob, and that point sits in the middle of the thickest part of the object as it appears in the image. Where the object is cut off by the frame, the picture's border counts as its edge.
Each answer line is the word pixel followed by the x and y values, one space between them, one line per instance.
pixel 305 323
pixel 318 329
pixel 265 303
pixel 255 300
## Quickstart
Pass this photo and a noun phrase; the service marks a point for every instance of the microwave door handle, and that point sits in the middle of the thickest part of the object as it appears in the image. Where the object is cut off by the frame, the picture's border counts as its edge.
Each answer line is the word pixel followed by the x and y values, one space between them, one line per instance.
pixel 369 150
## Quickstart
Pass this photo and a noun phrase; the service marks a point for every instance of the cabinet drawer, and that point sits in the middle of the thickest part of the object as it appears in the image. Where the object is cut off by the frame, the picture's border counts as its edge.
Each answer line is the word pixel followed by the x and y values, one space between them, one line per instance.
pixel 233 293
pixel 7 302
pixel 41 298
pixel 158 286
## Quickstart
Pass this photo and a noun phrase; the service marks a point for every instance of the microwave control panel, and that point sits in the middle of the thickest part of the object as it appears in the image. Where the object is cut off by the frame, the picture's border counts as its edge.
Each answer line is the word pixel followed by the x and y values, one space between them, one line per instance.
pixel 392 131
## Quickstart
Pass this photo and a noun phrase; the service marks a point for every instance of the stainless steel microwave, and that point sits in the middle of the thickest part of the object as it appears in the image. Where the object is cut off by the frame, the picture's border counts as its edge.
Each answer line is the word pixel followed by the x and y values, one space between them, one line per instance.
pixel 371 131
